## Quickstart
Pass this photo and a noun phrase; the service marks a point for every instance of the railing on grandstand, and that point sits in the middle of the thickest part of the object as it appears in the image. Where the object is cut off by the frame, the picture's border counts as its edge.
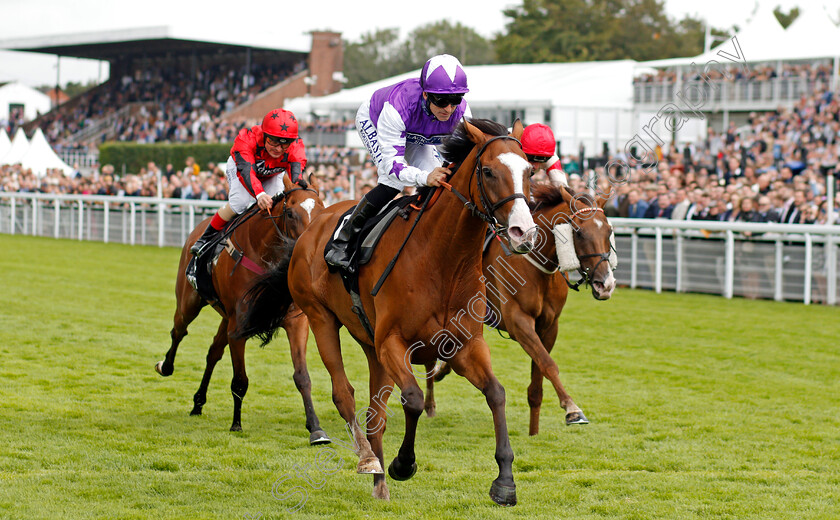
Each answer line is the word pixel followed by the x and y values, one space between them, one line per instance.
pixel 323 138
pixel 85 159
pixel 105 126
pixel 747 94
pixel 778 261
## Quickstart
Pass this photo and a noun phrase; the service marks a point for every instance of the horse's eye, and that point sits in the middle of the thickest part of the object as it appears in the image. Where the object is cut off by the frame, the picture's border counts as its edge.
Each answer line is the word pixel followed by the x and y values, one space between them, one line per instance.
pixel 487 171
pixel 290 213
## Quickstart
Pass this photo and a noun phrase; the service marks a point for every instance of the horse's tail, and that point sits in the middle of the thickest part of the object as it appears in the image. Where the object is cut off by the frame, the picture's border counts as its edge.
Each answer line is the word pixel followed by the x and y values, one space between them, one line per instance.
pixel 263 308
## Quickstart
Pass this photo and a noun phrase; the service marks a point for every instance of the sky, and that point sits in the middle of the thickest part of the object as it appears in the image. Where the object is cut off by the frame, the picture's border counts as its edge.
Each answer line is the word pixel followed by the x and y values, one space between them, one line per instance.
pixel 279 21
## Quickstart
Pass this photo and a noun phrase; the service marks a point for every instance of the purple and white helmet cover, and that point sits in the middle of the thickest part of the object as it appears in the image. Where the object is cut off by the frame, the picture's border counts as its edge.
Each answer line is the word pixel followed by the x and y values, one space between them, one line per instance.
pixel 444 74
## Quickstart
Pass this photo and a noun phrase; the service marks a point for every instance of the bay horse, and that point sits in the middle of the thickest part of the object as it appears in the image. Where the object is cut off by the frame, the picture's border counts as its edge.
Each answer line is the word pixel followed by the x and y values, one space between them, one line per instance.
pixel 260 239
pixel 425 298
pixel 573 233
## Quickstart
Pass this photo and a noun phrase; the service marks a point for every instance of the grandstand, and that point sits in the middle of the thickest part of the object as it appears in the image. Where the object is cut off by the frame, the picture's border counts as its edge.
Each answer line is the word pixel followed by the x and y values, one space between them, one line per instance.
pixel 171 85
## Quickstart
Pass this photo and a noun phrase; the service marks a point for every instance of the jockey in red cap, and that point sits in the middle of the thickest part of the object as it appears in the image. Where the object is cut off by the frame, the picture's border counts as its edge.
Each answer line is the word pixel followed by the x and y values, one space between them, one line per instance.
pixel 538 144
pixel 259 157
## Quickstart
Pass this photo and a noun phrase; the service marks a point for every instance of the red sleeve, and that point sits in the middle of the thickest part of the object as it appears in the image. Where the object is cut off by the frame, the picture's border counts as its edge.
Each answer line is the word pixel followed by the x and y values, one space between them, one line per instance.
pixel 244 154
pixel 296 162
pixel 297 153
pixel 556 166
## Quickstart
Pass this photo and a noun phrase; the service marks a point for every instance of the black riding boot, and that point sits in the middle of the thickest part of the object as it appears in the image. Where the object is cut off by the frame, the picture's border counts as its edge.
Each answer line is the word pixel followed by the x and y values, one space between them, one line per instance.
pixel 339 255
pixel 209 234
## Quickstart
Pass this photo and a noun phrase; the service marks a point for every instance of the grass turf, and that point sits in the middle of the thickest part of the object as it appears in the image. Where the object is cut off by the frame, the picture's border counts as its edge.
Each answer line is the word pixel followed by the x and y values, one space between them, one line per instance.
pixel 701 407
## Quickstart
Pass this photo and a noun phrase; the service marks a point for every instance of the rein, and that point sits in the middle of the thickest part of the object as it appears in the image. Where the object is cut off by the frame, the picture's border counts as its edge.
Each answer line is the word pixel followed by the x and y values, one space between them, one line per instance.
pixel 253 210
pixel 484 215
pixel 276 198
pixel 487 214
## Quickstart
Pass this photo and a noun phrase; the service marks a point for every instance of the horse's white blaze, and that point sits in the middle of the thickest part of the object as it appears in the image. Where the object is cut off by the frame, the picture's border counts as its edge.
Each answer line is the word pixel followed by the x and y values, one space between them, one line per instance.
pixel 308 205
pixel 609 284
pixel 519 216
pixel 599 224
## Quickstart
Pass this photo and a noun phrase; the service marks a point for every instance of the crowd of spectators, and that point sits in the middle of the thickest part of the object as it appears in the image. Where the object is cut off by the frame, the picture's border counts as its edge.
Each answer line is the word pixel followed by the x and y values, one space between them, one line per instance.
pixel 771 169
pixel 806 71
pixel 774 169
pixel 166 104
pixel 335 169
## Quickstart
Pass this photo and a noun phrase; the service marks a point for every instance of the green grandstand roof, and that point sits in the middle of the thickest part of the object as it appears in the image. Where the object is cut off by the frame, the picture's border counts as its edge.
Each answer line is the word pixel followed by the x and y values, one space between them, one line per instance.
pixel 147 41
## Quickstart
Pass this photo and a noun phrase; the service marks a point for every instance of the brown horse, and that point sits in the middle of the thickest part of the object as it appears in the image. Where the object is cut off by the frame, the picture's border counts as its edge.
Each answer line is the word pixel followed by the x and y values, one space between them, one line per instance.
pixel 527 296
pixel 260 239
pixel 425 299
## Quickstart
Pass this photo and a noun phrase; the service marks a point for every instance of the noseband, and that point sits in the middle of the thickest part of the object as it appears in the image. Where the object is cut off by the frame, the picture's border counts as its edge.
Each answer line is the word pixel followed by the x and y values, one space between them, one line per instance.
pixel 585 273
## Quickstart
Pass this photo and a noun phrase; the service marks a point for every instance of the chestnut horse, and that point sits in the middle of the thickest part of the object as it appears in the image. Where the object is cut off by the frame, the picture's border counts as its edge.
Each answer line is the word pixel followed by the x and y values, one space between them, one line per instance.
pixel 424 300
pixel 260 239
pixel 528 304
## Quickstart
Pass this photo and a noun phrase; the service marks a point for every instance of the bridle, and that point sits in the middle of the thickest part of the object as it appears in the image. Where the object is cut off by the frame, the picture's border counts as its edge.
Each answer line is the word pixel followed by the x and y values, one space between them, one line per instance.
pixel 488 210
pixel 275 199
pixel 585 272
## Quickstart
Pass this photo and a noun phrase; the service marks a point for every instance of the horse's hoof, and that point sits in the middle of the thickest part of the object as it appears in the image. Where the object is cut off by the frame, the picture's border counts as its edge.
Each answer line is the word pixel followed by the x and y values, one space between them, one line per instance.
pixel 370 466
pixel 318 437
pixel 397 471
pixel 503 495
pixel 430 412
pixel 381 491
pixel 159 369
pixel 196 411
pixel 576 417
pixel 236 427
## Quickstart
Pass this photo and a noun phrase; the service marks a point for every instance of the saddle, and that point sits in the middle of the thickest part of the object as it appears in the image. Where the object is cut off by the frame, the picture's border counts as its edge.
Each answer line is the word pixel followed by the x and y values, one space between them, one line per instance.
pixel 362 249
pixel 200 269
pixel 371 233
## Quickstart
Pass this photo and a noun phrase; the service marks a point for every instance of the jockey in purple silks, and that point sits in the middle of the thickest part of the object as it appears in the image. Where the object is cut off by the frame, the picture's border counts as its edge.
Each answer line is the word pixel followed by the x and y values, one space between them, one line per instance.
pixel 401 126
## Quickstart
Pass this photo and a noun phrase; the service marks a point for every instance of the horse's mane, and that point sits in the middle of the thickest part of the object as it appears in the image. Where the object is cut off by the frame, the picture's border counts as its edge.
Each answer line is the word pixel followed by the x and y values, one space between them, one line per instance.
pixel 552 195
pixel 457 146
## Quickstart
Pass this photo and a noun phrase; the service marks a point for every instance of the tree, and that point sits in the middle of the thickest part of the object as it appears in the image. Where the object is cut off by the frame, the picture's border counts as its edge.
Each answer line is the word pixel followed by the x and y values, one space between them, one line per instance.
pixel 381 54
pixel 584 30
pixel 444 38
pixel 786 19
pixel 377 55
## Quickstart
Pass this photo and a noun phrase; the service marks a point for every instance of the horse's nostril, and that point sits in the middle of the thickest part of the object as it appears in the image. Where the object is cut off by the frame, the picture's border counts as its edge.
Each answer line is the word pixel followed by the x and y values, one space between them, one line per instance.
pixel 515 232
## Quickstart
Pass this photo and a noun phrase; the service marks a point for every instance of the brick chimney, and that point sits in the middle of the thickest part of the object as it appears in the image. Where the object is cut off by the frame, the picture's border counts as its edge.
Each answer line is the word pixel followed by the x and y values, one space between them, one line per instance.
pixel 326 62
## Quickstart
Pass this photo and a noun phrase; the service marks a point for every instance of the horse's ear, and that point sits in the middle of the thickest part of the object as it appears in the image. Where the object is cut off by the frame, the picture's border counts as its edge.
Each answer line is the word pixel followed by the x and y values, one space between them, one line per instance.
pixel 567 194
pixel 518 128
pixel 475 135
pixel 313 184
pixel 287 183
pixel 601 201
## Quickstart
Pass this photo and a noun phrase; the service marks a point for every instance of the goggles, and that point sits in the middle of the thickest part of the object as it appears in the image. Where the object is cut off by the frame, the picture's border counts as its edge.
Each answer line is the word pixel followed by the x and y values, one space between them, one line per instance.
pixel 277 141
pixel 444 100
pixel 537 158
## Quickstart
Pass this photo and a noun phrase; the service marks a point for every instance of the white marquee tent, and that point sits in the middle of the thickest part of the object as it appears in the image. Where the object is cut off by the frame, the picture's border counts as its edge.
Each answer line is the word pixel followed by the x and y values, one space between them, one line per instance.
pixel 812 35
pixel 18 95
pixel 20 144
pixel 589 103
pixel 761 39
pixel 5 143
pixel 40 157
